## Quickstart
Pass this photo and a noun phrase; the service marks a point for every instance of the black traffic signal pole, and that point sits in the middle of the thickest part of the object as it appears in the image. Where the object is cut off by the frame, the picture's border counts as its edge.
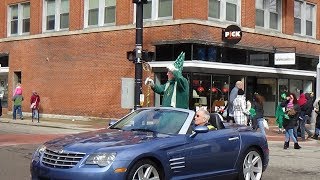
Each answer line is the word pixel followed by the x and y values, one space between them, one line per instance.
pixel 138 50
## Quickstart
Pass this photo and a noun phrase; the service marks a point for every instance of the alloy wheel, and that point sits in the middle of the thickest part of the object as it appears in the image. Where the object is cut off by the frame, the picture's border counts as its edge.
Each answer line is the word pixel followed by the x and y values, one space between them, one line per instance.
pixel 252 166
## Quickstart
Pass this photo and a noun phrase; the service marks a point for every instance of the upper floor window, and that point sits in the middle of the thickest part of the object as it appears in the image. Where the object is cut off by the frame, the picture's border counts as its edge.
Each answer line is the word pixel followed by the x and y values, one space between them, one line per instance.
pixel 225 10
pixel 99 12
pixel 157 9
pixel 268 13
pixel 56 15
pixel 304 18
pixel 19 19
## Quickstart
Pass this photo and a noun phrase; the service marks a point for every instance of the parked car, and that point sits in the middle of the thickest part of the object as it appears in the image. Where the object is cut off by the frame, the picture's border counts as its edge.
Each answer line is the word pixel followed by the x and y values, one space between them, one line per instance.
pixel 155 143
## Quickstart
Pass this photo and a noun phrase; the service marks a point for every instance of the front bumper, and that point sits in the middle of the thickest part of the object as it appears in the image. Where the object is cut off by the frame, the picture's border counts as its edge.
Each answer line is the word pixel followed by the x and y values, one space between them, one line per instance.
pixel 39 171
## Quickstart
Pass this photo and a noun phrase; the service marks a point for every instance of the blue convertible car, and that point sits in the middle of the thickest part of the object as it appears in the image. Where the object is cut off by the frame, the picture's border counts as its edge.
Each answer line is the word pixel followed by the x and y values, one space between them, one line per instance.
pixel 155 143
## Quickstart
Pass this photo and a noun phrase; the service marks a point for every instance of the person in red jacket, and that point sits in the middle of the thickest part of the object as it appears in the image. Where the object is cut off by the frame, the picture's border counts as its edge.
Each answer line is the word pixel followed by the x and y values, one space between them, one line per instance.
pixel 35 101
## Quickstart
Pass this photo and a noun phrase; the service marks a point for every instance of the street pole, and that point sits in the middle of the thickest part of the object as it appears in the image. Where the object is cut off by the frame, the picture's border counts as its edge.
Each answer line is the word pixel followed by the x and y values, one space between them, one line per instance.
pixel 138 96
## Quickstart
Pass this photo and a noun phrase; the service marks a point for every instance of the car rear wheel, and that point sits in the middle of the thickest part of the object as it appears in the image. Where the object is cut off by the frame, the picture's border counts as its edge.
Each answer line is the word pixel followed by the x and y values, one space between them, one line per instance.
pixel 251 167
pixel 145 170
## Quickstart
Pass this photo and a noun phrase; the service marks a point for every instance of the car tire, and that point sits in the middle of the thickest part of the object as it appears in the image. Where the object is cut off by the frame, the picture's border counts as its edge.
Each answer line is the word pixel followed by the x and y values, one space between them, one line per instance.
pixel 147 169
pixel 251 165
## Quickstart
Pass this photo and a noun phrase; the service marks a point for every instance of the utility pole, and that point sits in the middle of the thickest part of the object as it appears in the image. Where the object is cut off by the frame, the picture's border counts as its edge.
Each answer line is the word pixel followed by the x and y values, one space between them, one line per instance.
pixel 138 96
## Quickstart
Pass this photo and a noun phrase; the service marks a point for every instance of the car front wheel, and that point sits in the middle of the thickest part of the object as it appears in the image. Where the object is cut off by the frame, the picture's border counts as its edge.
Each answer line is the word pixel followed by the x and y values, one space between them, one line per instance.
pixel 145 170
pixel 251 168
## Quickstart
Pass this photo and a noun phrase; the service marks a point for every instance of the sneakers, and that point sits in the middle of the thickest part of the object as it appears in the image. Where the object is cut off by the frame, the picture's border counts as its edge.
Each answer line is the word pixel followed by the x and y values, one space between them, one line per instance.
pixel 296 146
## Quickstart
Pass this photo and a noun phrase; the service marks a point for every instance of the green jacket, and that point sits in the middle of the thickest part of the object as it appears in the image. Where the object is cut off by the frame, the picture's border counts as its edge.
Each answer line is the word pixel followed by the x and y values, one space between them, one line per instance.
pixel 17 100
pixel 178 88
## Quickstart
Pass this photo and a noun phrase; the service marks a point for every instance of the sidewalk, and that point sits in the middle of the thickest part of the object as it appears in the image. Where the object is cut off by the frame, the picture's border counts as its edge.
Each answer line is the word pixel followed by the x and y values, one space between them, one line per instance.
pixel 88 125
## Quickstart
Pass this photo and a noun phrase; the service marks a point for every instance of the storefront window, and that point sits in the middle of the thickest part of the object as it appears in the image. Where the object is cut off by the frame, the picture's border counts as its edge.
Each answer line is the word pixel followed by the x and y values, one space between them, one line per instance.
pixel 283 85
pixel 209 91
pixel 295 86
pixel 267 88
pixel 206 53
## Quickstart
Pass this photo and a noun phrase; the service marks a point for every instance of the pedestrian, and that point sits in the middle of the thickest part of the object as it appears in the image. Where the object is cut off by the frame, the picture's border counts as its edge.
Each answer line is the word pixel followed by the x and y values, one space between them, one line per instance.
pixel 305 115
pixel 17 106
pixel 317 126
pixel 233 95
pixel 176 90
pixel 259 117
pixel 0 106
pixel 292 110
pixel 280 114
pixel 35 101
pixel 240 108
pixel 18 89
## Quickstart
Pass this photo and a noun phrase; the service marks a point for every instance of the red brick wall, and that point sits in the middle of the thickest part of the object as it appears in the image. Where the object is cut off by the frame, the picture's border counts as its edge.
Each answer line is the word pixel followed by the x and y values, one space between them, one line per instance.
pixel 124 12
pixel 36 17
pixel 3 17
pixel 191 9
pixel 248 11
pixel 76 15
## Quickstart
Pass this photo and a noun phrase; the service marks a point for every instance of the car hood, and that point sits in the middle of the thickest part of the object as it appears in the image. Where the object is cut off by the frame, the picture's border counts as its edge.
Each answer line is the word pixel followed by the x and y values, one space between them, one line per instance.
pixel 105 138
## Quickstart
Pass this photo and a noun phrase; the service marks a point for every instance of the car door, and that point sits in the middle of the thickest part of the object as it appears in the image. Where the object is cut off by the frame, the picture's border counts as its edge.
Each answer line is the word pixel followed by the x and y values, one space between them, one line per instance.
pixel 212 153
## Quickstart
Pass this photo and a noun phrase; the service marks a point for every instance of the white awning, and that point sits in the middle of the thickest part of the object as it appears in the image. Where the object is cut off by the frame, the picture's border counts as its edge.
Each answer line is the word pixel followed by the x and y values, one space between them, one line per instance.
pixel 228 68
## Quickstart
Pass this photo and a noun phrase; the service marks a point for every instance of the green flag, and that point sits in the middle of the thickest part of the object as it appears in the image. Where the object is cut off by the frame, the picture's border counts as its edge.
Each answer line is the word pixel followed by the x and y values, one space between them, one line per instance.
pixel 179 62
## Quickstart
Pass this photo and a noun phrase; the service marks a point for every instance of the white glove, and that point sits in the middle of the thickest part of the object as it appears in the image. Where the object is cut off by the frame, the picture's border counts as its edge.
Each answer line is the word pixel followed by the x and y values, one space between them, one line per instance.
pixel 149 82
pixel 171 68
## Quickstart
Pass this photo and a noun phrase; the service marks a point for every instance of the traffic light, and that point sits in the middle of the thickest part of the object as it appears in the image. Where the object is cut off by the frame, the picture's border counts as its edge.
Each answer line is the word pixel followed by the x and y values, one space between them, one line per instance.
pixel 146 56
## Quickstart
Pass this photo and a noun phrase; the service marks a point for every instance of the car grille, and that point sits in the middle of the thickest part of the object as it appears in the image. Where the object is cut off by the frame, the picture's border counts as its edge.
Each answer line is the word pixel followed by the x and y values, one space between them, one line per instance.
pixel 62 160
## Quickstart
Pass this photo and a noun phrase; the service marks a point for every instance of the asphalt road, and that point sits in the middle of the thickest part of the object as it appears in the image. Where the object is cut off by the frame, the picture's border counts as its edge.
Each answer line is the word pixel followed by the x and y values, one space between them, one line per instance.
pixel 15 156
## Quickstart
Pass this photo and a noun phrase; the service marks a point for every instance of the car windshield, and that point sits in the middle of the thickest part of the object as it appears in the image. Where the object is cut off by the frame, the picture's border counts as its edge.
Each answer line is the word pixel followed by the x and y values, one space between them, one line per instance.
pixel 164 121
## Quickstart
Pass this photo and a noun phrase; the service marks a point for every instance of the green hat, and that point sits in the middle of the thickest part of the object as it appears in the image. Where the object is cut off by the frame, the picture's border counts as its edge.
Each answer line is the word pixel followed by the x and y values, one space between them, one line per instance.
pixel 283 95
pixel 178 64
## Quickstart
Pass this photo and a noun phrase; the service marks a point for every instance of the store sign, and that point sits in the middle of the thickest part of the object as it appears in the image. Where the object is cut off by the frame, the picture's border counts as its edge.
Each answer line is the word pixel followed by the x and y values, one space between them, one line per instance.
pixel 284 58
pixel 232 34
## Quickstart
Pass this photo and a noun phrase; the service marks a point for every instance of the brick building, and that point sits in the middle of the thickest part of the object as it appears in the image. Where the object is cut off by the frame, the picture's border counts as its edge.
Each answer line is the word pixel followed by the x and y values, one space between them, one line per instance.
pixel 73 52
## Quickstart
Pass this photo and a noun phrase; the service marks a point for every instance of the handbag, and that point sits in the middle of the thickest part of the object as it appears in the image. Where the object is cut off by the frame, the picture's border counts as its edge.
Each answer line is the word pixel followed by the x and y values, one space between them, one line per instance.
pixel 33 105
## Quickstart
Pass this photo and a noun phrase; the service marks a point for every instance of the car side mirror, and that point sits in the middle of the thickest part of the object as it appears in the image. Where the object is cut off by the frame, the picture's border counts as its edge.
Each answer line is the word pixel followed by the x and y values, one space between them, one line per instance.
pixel 112 122
pixel 199 129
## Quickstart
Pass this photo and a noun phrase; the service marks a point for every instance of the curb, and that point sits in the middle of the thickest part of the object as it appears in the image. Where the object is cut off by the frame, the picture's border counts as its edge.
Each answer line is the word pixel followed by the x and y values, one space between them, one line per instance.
pixel 43 124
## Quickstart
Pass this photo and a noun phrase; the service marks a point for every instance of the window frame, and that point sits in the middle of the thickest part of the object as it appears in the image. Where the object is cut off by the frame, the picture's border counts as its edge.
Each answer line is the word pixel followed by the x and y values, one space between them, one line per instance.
pixel 101 14
pixel 56 17
pixel 303 19
pixel 267 15
pixel 19 19
pixel 223 11
pixel 155 11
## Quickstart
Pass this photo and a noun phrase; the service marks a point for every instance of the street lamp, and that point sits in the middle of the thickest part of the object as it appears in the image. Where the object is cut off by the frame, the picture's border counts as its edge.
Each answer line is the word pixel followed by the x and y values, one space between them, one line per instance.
pixel 138 96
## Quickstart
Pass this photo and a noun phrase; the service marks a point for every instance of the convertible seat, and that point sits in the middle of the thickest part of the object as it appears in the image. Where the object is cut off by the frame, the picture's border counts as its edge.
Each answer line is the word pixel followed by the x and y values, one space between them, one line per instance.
pixel 216 120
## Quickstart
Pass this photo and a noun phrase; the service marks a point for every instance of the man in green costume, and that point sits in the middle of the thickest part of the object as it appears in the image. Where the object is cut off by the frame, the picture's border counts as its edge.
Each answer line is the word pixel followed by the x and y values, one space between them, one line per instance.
pixel 176 90
pixel 280 114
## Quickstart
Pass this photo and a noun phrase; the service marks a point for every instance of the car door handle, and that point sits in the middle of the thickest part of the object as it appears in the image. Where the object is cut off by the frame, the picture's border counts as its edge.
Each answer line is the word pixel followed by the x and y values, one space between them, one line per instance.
pixel 233 138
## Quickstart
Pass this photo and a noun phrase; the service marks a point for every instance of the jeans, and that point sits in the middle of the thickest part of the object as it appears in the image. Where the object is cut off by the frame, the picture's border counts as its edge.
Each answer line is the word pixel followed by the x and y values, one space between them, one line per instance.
pixel 317 131
pixel 289 133
pixel 302 124
pixel 261 126
pixel 35 113
pixel 15 109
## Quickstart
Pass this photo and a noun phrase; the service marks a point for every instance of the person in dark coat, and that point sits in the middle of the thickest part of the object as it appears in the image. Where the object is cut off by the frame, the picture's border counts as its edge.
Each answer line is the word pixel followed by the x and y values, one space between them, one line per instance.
pixel 305 114
pixel 259 117
pixel 35 103
pixel 292 111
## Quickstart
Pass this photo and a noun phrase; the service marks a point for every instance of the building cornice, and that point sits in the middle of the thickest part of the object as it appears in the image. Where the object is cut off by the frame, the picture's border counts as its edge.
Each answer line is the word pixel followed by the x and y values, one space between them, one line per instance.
pixel 161 23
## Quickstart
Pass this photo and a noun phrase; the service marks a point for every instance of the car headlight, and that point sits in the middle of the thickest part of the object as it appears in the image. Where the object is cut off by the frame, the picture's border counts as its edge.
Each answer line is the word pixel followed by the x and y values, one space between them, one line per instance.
pixel 38 152
pixel 101 159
